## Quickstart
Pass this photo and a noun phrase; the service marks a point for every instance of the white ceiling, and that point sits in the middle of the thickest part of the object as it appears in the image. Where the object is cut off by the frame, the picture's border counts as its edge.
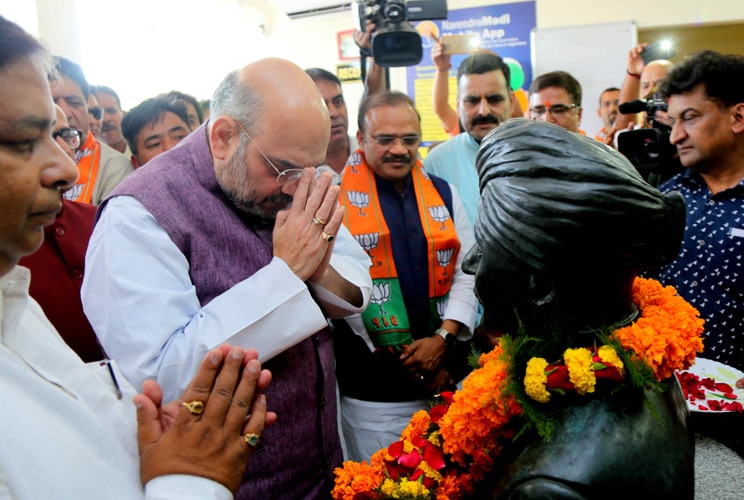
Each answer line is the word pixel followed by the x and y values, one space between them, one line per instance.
pixel 290 7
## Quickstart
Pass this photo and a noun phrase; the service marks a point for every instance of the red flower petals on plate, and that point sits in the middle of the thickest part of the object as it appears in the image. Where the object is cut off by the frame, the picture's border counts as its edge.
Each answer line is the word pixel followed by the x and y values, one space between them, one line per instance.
pixel 706 394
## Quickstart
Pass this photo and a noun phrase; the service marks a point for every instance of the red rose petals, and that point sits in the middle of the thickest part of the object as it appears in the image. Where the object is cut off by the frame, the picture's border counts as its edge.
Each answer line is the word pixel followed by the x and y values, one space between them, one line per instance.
pixel 722 397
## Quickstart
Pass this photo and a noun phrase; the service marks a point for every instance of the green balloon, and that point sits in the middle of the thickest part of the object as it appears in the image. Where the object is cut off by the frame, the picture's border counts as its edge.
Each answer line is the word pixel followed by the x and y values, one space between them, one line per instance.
pixel 516 71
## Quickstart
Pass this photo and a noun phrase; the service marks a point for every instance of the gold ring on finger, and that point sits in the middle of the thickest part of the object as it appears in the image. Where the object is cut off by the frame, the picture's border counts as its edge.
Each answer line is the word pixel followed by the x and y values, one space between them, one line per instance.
pixel 326 236
pixel 318 221
pixel 251 439
pixel 195 407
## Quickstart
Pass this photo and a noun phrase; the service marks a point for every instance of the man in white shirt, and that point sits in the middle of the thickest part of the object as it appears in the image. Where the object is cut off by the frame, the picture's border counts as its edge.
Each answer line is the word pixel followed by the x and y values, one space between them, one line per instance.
pixel 230 237
pixel 68 429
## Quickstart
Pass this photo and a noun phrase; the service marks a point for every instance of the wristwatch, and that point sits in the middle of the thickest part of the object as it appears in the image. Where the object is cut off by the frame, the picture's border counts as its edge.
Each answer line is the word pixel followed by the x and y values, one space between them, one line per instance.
pixel 449 338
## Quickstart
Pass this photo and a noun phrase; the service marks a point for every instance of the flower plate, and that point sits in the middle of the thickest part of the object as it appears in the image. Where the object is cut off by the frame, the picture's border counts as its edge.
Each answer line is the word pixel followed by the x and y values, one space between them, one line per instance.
pixel 710 386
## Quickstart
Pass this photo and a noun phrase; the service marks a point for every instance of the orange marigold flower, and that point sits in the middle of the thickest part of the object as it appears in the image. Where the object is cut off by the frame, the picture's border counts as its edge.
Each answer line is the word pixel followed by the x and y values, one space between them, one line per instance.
pixel 481 408
pixel 353 478
pixel 418 426
pixel 667 336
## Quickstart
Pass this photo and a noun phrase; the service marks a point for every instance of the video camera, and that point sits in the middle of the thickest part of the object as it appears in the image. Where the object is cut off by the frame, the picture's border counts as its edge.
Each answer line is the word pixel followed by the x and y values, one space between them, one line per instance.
pixel 649 149
pixel 395 42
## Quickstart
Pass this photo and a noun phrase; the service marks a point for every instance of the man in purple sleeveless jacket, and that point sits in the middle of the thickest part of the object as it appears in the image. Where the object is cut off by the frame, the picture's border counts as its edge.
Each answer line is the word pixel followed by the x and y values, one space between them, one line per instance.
pixel 230 237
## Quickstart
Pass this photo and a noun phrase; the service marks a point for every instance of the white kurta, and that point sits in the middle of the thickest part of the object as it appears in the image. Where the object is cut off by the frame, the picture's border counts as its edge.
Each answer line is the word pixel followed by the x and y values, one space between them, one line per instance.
pixel 64 434
pixel 140 300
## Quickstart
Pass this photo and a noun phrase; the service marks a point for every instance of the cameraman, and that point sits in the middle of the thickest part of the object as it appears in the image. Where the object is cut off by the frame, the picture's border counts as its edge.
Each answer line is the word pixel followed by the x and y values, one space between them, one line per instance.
pixel 706 110
pixel 375 78
pixel 640 81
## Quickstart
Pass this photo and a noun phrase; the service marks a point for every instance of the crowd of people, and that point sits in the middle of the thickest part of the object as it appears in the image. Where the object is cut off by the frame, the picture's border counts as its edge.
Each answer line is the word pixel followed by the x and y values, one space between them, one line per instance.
pixel 282 261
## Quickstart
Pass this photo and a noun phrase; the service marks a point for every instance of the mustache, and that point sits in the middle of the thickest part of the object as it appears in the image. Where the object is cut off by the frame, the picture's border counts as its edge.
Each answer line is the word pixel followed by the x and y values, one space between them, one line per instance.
pixel 397 158
pixel 481 120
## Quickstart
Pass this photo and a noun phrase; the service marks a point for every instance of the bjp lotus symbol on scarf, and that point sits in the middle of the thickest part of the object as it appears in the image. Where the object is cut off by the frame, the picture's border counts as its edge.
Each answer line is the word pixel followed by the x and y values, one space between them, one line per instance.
pixel 358 199
pixel 380 295
pixel 444 256
pixel 368 241
pixel 440 214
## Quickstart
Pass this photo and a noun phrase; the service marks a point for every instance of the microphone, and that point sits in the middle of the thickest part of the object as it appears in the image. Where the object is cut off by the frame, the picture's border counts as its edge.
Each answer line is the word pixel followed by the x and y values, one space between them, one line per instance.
pixel 635 106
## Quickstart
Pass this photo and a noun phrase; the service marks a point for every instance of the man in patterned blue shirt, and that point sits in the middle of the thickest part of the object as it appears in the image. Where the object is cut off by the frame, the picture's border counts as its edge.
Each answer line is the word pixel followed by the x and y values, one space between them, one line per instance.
pixel 706 108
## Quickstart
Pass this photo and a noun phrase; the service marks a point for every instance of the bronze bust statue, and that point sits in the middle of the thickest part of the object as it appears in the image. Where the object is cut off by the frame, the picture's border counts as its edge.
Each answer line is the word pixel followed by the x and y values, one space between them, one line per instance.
pixel 565 224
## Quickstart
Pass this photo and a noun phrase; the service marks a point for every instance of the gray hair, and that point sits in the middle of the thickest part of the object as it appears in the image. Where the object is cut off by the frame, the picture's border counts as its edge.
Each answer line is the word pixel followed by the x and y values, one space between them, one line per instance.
pixel 236 99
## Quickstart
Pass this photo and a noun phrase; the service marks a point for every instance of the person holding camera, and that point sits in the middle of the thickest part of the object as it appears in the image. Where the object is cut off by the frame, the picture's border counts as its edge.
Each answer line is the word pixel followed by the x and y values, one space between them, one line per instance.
pixel 642 76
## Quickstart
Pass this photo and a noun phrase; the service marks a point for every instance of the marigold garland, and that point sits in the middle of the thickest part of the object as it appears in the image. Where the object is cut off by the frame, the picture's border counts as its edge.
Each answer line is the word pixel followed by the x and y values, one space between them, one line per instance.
pixel 667 336
pixel 445 452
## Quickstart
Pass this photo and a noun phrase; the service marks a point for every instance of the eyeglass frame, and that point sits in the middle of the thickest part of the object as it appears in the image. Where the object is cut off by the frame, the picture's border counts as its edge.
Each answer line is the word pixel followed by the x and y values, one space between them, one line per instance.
pixel 551 109
pixel 67 130
pixel 394 140
pixel 289 175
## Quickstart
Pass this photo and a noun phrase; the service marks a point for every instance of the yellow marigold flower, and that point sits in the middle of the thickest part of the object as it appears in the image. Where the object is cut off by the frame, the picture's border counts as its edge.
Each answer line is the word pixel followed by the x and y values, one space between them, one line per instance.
pixel 436 439
pixel 535 380
pixel 430 472
pixel 608 356
pixel 580 372
pixel 404 489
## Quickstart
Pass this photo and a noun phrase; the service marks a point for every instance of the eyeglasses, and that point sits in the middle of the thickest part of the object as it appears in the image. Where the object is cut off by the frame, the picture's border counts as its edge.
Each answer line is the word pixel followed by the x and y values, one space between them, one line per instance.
pixel 96 112
pixel 283 177
pixel 388 140
pixel 71 136
pixel 557 110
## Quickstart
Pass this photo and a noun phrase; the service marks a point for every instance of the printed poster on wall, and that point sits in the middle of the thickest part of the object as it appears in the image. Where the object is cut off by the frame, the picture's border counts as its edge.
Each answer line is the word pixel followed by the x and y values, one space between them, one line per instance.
pixel 504 29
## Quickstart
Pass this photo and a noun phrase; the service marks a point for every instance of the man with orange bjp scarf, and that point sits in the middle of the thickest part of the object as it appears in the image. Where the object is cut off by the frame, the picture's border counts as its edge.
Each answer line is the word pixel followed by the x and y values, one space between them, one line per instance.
pixel 100 168
pixel 412 340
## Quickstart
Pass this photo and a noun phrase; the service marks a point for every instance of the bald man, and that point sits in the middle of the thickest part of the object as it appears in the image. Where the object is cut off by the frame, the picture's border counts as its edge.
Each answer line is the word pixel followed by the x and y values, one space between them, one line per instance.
pixel 230 237
pixel 640 82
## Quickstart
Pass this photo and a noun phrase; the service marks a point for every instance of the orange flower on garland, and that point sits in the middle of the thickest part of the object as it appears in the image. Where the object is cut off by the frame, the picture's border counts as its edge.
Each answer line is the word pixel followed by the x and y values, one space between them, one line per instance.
pixel 667 336
pixel 479 412
pixel 357 478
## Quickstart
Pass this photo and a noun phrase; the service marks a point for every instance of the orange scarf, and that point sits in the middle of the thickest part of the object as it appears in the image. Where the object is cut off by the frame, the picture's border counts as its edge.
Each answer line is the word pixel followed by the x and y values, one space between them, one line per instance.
pixel 385 318
pixel 88 158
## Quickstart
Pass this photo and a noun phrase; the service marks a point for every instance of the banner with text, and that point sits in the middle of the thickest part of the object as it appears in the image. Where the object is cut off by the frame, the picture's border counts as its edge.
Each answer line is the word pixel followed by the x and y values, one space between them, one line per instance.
pixel 504 29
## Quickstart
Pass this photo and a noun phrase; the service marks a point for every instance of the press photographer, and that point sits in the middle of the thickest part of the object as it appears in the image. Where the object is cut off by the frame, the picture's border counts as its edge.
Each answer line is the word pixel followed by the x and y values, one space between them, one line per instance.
pixel 395 42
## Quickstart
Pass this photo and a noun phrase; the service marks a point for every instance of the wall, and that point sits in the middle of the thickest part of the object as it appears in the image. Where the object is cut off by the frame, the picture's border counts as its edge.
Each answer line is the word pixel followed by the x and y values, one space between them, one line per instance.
pixel 308 42
pixel 550 14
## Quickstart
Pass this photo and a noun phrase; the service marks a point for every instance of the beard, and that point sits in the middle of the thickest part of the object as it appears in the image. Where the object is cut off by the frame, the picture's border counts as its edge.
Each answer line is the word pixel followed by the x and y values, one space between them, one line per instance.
pixel 239 187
